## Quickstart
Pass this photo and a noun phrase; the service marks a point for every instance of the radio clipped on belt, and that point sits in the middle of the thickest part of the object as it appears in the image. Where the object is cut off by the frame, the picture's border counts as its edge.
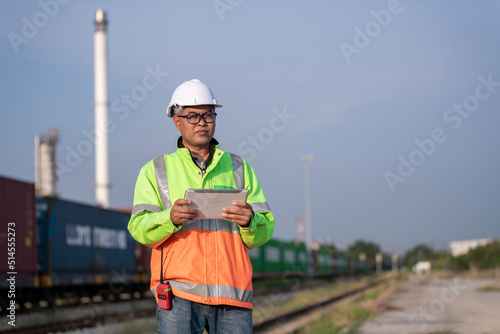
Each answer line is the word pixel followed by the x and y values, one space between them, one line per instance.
pixel 164 290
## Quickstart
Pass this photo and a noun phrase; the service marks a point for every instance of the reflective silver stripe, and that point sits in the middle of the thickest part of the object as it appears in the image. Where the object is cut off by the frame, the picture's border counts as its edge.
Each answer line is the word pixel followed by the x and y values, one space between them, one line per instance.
pixel 210 225
pixel 238 170
pixel 260 207
pixel 140 208
pixel 211 290
pixel 153 290
pixel 161 179
pixel 202 290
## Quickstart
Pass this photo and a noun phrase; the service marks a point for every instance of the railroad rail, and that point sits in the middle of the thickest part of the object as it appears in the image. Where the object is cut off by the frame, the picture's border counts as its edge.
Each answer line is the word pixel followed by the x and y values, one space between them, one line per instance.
pixel 272 323
pixel 68 325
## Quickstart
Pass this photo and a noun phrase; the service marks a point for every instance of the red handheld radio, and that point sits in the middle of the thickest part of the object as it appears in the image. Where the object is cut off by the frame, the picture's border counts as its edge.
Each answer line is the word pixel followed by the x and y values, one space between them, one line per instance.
pixel 164 290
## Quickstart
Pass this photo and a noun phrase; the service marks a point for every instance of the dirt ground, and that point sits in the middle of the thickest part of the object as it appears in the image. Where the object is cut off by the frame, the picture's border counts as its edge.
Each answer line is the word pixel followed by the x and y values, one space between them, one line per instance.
pixel 439 305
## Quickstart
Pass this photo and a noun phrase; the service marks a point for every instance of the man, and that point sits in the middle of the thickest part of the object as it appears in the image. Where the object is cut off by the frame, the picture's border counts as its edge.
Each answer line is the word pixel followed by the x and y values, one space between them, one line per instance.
pixel 204 260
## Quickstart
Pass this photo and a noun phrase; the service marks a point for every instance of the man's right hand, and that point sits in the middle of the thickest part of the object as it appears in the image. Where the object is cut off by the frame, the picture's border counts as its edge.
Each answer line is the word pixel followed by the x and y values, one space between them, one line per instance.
pixel 181 214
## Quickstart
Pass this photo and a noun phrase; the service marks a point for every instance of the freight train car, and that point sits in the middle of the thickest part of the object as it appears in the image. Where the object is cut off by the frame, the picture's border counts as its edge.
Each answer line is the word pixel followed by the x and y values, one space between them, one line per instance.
pixel 323 261
pixel 83 248
pixel 55 248
pixel 339 263
pixel 277 257
pixel 18 235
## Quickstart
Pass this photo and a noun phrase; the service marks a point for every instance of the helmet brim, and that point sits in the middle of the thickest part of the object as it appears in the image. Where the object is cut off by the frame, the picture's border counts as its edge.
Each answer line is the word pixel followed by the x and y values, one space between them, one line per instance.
pixel 170 109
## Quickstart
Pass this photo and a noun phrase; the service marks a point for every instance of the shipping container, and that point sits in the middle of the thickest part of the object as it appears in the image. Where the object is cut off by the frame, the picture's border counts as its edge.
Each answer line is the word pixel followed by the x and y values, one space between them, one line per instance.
pixel 361 267
pixel 324 260
pixel 142 264
pixel 257 261
pixel 272 254
pixel 277 257
pixel 294 257
pixel 353 265
pixel 342 263
pixel 82 244
pixel 19 231
pixel 302 257
pixel 142 258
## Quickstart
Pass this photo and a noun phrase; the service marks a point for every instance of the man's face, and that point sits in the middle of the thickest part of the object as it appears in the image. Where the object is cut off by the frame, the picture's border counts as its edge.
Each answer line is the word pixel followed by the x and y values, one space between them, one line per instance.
pixel 195 135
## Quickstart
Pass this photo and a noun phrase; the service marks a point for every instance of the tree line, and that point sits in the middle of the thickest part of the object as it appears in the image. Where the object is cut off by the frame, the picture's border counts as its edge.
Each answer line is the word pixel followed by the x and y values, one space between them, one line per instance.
pixel 482 257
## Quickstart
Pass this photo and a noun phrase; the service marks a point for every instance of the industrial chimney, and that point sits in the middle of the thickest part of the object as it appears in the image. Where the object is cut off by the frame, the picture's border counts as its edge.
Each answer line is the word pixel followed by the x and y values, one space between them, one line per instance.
pixel 101 110
pixel 45 164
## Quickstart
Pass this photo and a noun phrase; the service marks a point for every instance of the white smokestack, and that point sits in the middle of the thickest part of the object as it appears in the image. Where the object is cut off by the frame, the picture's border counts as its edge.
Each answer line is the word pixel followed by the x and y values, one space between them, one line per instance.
pixel 101 111
pixel 45 164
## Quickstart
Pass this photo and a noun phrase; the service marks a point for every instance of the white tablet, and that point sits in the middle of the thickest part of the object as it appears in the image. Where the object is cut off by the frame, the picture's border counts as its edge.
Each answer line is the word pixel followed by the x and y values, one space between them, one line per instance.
pixel 210 202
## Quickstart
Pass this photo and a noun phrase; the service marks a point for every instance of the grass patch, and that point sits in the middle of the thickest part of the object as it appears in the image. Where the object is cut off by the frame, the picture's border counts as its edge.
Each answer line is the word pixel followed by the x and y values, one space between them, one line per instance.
pixel 349 316
pixel 281 302
pixel 370 295
pixel 346 320
pixel 488 288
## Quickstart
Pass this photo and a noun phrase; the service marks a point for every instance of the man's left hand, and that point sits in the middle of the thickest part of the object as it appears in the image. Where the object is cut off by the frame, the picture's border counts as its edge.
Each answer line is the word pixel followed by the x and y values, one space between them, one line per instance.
pixel 240 215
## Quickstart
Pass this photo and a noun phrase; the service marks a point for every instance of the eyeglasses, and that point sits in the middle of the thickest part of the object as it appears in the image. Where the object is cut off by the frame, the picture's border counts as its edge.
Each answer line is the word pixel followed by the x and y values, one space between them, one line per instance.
pixel 196 118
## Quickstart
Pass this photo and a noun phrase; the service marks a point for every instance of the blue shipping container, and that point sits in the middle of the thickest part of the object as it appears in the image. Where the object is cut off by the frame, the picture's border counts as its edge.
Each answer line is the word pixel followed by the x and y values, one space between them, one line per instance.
pixel 82 239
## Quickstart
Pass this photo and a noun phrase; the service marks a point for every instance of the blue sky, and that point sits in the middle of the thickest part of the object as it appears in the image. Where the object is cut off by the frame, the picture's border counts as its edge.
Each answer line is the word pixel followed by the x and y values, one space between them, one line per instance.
pixel 398 102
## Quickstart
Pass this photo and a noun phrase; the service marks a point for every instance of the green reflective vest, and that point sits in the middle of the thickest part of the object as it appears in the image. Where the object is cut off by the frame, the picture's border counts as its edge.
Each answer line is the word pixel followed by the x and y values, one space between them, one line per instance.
pixel 222 272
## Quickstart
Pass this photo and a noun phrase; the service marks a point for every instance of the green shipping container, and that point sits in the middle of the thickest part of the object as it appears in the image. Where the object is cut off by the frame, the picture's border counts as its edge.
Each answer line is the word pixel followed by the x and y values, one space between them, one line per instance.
pixel 341 263
pixel 273 256
pixel 324 260
pixel 256 259
pixel 294 257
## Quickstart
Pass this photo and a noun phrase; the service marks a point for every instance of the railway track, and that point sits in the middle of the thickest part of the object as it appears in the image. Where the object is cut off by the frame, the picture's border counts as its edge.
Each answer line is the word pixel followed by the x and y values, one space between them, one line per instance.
pixel 62 303
pixel 276 324
pixel 68 325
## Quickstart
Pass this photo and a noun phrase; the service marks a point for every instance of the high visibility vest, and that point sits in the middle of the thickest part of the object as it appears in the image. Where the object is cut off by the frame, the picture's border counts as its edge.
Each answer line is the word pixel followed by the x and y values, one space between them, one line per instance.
pixel 205 260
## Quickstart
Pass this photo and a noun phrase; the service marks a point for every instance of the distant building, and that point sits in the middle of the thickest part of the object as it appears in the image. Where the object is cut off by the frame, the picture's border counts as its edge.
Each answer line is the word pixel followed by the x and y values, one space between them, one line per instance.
pixel 463 247
pixel 422 267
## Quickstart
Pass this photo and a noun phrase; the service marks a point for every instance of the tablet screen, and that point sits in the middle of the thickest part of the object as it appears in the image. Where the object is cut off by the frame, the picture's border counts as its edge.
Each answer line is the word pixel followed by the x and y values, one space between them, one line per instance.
pixel 210 202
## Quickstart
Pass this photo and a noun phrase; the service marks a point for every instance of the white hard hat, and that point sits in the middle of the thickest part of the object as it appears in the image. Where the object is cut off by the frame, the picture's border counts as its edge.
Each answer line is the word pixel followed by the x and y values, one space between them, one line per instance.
pixel 191 93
